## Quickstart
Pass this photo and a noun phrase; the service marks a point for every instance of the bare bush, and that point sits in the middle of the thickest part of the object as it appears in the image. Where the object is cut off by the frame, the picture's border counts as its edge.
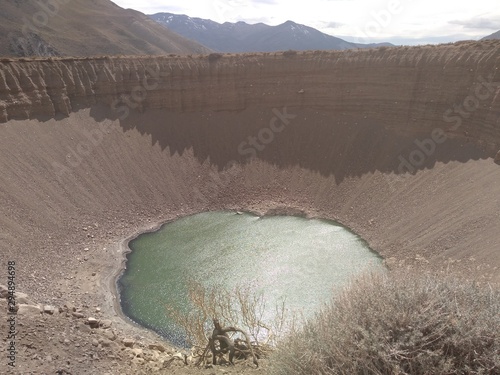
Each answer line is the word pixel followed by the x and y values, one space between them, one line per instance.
pixel 241 307
pixel 213 57
pixel 290 53
pixel 399 324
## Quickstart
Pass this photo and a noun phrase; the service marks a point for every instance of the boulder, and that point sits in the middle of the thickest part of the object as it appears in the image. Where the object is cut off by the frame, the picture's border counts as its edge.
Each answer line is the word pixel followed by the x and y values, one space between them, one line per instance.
pixel 497 158
pixel 105 323
pixel 48 309
pixel 23 299
pixel 28 310
pixel 78 315
pixel 158 347
pixel 128 343
pixel 93 322
pixel 70 307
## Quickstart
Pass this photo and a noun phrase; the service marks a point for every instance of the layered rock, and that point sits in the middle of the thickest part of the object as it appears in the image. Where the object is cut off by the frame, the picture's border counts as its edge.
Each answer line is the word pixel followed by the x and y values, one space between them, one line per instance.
pixel 405 89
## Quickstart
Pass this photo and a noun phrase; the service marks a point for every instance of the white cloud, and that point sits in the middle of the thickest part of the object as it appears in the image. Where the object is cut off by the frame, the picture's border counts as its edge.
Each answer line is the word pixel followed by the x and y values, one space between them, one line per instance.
pixel 482 23
pixel 362 20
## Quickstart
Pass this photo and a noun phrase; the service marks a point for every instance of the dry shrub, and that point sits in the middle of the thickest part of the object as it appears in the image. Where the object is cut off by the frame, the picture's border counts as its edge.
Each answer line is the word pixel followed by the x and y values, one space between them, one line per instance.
pixel 399 324
pixel 290 53
pixel 241 307
pixel 214 57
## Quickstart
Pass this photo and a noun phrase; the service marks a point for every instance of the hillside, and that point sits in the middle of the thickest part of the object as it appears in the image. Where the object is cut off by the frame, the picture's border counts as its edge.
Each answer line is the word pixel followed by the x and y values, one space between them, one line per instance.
pixel 84 28
pixel 398 144
pixel 243 37
pixel 492 36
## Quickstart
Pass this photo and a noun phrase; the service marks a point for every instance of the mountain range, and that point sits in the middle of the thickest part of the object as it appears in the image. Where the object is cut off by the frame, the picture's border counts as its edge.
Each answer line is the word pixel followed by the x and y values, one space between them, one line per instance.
pixel 84 28
pixel 243 37
pixel 100 27
pixel 492 36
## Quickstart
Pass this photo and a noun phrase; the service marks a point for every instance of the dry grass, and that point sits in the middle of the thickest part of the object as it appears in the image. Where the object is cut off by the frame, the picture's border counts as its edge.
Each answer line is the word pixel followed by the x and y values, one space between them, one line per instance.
pixel 399 324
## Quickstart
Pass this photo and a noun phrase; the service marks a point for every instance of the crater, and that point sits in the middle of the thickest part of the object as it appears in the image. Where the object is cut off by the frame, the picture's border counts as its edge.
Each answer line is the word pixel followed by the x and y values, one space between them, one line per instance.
pixel 396 144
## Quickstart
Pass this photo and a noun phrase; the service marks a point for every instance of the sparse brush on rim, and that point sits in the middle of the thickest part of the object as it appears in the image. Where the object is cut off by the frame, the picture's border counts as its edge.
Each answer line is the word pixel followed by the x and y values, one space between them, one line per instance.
pixel 404 323
pixel 290 53
pixel 213 57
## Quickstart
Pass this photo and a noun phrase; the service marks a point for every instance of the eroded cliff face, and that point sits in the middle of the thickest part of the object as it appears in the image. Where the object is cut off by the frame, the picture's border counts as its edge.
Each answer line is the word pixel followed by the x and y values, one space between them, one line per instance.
pixel 397 144
pixel 405 89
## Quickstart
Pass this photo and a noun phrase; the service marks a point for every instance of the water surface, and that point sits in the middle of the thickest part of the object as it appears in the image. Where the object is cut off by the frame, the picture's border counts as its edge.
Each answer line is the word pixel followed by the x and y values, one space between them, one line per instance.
pixel 284 257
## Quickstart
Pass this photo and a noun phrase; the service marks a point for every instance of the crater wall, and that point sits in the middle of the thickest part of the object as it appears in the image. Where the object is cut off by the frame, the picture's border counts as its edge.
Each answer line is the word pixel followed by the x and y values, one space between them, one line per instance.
pixel 396 143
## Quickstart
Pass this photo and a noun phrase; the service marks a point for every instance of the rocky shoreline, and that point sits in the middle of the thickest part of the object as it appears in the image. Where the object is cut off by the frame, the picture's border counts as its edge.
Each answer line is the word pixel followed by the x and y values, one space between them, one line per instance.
pixel 67 338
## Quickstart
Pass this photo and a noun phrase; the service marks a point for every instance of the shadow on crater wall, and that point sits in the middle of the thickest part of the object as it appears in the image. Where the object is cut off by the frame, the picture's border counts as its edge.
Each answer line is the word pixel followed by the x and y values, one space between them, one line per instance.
pixel 314 140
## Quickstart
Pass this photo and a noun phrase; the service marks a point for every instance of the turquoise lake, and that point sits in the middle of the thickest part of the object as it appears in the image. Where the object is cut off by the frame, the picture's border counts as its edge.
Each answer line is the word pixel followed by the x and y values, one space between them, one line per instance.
pixel 302 261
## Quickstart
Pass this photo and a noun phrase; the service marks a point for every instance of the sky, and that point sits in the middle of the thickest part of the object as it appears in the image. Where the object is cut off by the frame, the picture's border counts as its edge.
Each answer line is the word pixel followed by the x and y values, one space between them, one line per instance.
pixel 363 21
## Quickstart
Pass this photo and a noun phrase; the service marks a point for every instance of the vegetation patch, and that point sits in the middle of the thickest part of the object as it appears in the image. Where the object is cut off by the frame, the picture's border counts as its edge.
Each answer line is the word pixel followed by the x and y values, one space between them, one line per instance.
pixel 290 53
pixel 399 324
pixel 213 57
pixel 223 326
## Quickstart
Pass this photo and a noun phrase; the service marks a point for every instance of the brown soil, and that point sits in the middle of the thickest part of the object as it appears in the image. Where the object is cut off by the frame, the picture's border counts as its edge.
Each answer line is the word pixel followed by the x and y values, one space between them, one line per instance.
pixel 77 181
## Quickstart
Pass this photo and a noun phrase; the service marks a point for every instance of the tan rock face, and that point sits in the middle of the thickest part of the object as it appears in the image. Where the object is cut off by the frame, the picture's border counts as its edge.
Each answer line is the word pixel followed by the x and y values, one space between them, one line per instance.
pixel 407 89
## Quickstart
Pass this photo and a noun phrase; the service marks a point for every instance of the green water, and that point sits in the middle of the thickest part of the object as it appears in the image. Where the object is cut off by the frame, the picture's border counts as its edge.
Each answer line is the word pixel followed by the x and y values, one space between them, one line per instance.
pixel 283 257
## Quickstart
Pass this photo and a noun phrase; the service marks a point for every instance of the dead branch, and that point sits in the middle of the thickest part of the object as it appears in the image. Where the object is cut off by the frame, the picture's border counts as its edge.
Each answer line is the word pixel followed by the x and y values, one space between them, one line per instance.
pixel 226 344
